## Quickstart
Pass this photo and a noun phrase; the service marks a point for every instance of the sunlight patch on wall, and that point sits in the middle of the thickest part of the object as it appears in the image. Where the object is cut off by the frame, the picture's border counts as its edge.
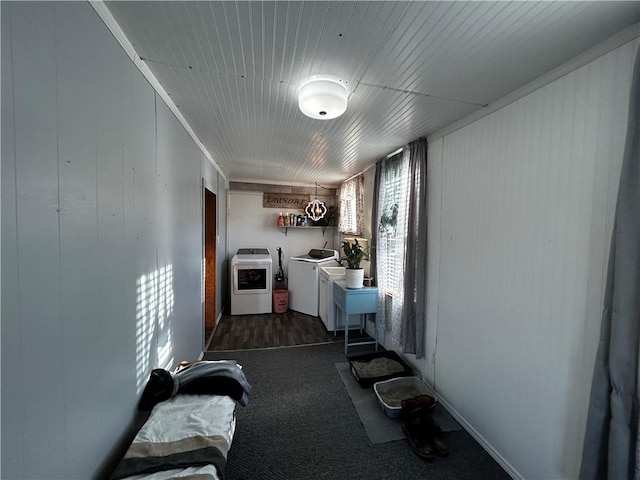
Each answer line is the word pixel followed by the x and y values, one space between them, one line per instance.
pixel 154 306
pixel 165 302
pixel 165 351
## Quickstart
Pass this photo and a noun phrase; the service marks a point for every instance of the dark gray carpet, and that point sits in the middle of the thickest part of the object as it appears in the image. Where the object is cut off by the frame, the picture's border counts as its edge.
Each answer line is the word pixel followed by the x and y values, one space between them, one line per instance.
pixel 300 424
pixel 379 427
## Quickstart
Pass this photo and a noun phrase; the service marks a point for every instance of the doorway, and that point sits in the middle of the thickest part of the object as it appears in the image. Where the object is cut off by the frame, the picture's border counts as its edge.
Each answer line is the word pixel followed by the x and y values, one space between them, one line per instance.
pixel 209 261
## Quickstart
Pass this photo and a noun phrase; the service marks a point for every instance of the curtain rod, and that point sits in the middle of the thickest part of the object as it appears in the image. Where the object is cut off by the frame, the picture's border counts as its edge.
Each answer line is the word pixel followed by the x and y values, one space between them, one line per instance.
pixel 371 166
pixel 359 173
pixel 396 152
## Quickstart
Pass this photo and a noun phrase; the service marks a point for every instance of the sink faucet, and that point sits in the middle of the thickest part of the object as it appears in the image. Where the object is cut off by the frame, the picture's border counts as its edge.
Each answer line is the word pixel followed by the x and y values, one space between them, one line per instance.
pixel 339 262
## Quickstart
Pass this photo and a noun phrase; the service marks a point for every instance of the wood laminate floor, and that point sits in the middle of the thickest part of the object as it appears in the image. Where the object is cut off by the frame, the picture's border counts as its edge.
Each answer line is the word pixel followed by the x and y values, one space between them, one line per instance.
pixel 242 332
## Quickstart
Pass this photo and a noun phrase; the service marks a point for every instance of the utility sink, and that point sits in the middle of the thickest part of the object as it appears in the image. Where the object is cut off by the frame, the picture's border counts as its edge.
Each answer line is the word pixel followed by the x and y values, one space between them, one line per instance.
pixel 325 305
pixel 331 271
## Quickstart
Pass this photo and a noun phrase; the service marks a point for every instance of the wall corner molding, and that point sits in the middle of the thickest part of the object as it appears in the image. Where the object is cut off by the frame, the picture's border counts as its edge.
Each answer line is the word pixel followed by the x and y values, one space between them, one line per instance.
pixel 110 22
pixel 617 40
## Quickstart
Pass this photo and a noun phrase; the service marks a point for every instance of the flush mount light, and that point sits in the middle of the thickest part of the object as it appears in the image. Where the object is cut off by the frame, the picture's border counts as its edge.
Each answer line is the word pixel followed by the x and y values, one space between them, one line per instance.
pixel 322 97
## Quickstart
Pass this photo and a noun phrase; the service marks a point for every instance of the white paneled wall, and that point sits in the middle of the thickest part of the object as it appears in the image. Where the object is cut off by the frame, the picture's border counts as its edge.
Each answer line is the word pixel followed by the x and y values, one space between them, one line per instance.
pixel 179 242
pixel 527 203
pixel 251 225
pixel 101 241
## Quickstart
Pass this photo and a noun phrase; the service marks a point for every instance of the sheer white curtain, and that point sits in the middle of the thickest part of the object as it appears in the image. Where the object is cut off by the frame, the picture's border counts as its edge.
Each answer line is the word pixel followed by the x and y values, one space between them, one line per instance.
pixel 389 243
pixel 352 206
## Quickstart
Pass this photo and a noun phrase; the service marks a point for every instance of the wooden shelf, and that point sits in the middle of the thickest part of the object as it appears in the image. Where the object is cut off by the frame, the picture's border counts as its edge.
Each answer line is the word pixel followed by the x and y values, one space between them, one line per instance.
pixel 285 230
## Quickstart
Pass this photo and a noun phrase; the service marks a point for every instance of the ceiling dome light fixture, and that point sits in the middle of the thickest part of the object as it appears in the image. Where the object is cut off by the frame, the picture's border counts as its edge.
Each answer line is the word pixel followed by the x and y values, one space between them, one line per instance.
pixel 323 97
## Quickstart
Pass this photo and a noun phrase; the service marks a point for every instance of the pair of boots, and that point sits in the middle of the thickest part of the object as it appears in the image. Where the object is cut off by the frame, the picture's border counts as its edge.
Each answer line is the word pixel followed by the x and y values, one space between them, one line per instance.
pixel 422 432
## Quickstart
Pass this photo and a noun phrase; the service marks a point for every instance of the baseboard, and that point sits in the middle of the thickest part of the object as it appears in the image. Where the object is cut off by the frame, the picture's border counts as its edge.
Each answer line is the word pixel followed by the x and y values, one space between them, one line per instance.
pixel 467 426
pixel 510 469
pixel 218 319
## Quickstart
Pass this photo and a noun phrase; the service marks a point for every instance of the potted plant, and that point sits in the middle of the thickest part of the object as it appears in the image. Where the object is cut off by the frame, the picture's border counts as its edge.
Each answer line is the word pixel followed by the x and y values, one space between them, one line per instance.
pixel 354 254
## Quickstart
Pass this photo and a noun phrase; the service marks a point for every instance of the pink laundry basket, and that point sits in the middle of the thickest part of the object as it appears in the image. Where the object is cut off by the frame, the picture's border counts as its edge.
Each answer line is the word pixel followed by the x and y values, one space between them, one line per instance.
pixel 280 301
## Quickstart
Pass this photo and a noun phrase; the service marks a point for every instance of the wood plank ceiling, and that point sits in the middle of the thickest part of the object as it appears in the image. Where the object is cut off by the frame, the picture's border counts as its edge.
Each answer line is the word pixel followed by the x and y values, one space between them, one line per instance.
pixel 412 68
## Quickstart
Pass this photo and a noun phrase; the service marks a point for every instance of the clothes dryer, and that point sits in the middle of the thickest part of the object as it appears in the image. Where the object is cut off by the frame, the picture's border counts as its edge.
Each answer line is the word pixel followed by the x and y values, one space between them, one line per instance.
pixel 251 281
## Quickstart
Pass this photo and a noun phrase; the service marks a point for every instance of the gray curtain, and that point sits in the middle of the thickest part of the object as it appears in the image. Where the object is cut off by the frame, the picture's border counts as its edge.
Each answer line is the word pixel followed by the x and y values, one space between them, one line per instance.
pixel 406 204
pixel 415 262
pixel 611 444
pixel 374 224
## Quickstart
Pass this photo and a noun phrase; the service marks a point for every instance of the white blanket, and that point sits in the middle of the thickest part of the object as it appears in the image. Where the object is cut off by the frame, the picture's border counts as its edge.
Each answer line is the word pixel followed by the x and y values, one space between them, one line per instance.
pixel 176 427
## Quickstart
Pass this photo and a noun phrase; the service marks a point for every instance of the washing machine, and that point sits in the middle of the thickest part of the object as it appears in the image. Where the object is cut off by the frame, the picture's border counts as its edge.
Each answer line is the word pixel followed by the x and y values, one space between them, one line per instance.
pixel 304 278
pixel 251 284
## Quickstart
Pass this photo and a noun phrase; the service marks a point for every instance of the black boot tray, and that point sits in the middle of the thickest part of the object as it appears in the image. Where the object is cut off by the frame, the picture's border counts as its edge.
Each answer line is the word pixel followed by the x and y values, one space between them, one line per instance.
pixel 363 367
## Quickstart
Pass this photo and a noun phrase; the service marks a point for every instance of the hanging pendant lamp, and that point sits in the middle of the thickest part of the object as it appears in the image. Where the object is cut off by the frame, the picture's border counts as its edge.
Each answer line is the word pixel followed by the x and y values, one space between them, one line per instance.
pixel 316 209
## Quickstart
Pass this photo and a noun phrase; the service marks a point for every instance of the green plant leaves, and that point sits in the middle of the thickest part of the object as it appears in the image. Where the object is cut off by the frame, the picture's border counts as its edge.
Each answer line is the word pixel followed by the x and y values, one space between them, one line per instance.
pixel 354 253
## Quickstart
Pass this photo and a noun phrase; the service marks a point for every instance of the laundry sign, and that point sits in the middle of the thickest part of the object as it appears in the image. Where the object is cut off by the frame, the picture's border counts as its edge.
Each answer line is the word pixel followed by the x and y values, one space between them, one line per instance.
pixel 285 200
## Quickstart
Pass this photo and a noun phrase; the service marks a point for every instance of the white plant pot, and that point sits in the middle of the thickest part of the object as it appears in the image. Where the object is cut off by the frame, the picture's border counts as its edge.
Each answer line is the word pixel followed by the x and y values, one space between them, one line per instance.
pixel 354 277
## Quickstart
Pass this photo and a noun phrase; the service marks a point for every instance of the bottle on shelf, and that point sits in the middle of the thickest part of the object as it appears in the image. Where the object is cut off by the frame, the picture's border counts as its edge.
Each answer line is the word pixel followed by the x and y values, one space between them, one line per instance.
pixel 281 220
